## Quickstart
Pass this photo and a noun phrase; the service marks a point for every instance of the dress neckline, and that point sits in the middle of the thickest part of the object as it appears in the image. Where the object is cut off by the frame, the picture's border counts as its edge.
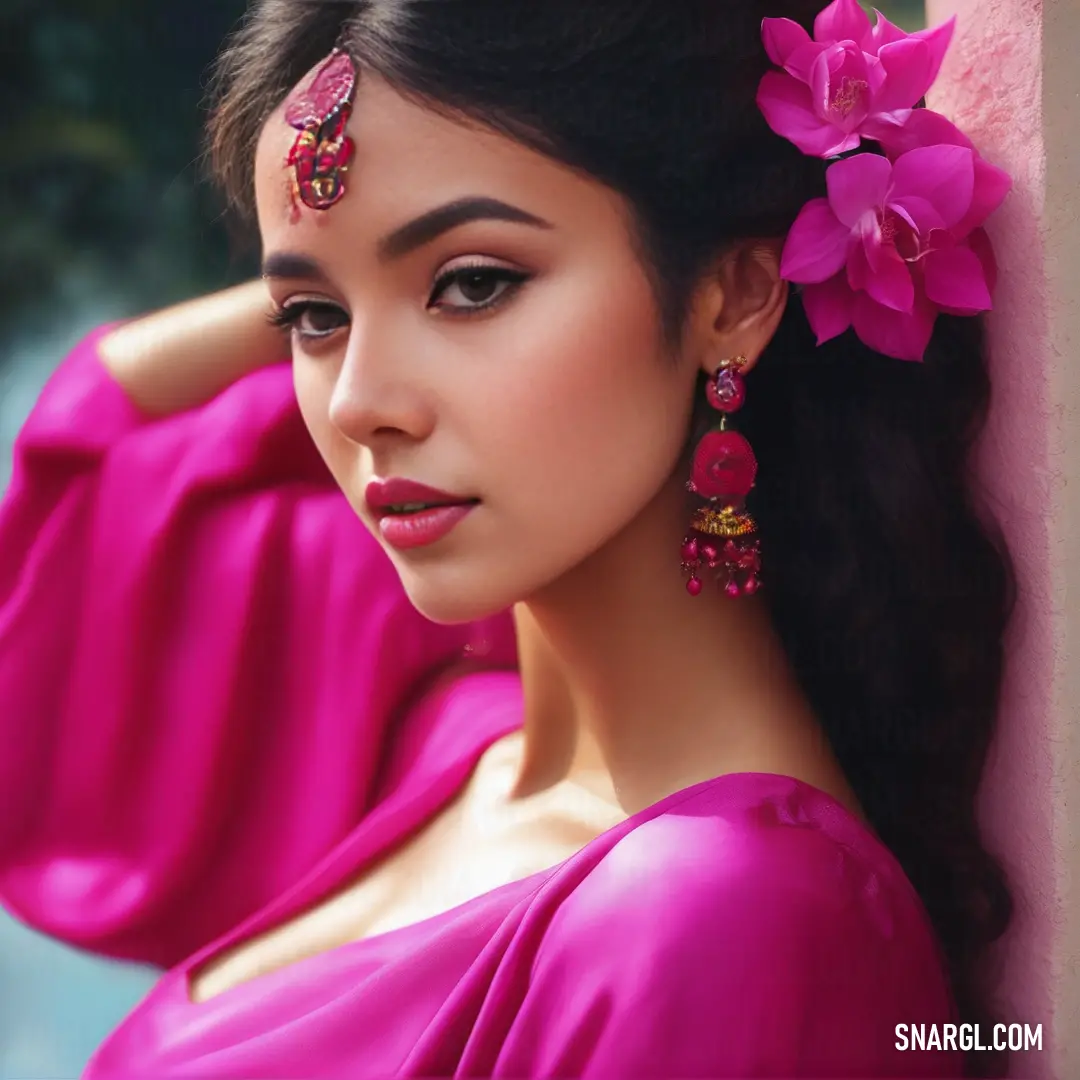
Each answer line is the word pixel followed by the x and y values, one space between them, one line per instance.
pixel 390 825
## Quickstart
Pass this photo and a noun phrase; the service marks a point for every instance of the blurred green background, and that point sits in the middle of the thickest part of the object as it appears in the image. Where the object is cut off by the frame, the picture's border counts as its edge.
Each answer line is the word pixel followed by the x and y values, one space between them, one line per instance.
pixel 103 214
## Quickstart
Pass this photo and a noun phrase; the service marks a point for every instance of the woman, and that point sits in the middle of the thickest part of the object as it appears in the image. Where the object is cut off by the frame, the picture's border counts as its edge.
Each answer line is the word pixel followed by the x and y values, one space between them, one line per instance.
pixel 273 728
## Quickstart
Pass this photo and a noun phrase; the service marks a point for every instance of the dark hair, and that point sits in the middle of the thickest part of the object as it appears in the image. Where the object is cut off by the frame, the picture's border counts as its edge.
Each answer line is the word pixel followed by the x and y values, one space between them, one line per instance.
pixel 890 589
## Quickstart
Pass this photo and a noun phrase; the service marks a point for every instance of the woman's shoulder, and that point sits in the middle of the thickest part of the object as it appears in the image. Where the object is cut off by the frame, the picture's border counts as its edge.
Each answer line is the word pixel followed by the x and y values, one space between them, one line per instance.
pixel 748 926
pixel 758 873
pixel 750 831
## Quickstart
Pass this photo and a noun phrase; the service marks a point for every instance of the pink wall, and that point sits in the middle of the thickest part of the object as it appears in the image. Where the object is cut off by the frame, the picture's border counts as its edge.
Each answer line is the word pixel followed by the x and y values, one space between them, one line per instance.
pixel 1008 81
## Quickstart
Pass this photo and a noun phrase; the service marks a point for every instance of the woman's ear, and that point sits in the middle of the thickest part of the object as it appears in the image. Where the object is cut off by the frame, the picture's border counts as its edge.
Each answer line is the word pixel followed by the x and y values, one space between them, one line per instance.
pixel 740 304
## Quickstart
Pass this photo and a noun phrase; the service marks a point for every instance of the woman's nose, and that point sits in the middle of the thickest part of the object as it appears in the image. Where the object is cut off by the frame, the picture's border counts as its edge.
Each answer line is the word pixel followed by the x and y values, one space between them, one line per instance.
pixel 375 397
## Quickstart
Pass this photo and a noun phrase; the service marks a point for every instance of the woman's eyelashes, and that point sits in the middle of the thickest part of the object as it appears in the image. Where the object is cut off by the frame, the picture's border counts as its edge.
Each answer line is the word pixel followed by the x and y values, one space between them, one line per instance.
pixel 304 317
pixel 465 291
pixel 474 284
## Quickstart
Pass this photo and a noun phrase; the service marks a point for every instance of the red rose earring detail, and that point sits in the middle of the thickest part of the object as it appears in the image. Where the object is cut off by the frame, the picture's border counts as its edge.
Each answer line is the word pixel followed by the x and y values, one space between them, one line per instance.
pixel 723 536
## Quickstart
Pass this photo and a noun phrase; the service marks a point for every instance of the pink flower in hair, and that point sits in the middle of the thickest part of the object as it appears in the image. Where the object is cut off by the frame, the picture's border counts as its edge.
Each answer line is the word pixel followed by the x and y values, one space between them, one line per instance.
pixel 851 80
pixel 896 242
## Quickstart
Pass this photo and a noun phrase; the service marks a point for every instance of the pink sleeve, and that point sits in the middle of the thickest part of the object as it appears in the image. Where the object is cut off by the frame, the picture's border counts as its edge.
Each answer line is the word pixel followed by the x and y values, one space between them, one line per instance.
pixel 201 650
pixel 769 971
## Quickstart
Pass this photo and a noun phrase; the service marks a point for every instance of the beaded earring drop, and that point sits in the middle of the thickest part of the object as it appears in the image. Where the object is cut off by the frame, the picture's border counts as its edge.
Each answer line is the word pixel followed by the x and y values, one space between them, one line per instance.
pixel 722 536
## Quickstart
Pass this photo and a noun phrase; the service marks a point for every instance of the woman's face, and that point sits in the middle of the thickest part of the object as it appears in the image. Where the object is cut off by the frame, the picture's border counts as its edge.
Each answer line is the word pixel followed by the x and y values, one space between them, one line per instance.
pixel 534 381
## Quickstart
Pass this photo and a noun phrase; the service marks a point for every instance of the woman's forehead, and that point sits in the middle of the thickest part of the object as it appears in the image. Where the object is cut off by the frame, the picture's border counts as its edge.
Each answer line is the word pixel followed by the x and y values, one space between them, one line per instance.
pixel 396 142
pixel 408 158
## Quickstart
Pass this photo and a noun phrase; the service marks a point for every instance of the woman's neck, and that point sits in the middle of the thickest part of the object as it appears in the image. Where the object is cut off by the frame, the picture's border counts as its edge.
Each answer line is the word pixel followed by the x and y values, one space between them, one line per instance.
pixel 633 686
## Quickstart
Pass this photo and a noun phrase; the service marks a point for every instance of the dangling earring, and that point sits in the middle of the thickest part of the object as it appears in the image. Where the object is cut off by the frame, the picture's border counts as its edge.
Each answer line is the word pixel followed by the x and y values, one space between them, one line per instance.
pixel 722 535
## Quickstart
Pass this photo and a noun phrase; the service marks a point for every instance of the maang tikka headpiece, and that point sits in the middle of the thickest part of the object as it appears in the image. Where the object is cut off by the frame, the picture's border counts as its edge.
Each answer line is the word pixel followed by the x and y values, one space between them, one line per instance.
pixel 320 108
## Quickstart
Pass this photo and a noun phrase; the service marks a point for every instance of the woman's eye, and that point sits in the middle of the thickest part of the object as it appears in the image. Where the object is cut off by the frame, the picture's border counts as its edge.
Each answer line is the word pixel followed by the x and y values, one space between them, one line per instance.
pixel 468 290
pixel 479 288
pixel 310 319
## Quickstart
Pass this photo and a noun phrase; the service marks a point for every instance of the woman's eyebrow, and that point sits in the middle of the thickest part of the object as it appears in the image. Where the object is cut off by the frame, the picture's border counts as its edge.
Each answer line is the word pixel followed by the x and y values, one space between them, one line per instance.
pixel 442 219
pixel 412 235
pixel 288 266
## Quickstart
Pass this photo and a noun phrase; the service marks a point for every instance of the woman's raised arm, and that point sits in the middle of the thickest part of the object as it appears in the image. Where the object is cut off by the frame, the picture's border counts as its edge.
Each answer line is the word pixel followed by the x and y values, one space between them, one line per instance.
pixel 201 646
pixel 183 356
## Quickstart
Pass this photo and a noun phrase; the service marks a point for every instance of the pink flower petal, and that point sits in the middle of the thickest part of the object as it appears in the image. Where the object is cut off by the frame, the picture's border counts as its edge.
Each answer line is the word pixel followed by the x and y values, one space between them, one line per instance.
pixel 979 242
pixel 878 271
pixel 820 82
pixel 886 127
pixel 943 175
pixel 781 38
pixel 874 251
pixel 955 279
pixel 842 20
pixel 991 186
pixel 883 33
pixel 801 61
pixel 847 143
pixel 786 105
pixel 857 184
pixel 889 281
pixel 828 307
pixel 877 75
pixel 840 86
pixel 919 214
pixel 858 267
pixel 938 38
pixel 924 127
pixel 817 245
pixel 907 67
pixel 893 333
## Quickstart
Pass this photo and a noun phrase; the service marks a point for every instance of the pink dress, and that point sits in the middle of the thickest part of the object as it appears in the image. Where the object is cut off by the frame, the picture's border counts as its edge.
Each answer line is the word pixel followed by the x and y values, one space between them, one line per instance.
pixel 218 706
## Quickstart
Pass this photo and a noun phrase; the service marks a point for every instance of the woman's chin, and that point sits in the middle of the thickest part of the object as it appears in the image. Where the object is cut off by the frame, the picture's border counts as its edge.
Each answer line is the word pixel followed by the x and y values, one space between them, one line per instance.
pixel 470 586
pixel 454 601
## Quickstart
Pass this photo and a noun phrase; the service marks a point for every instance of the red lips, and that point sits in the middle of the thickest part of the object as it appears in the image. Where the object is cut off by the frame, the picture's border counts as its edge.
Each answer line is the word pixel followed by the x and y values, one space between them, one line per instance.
pixel 383 494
